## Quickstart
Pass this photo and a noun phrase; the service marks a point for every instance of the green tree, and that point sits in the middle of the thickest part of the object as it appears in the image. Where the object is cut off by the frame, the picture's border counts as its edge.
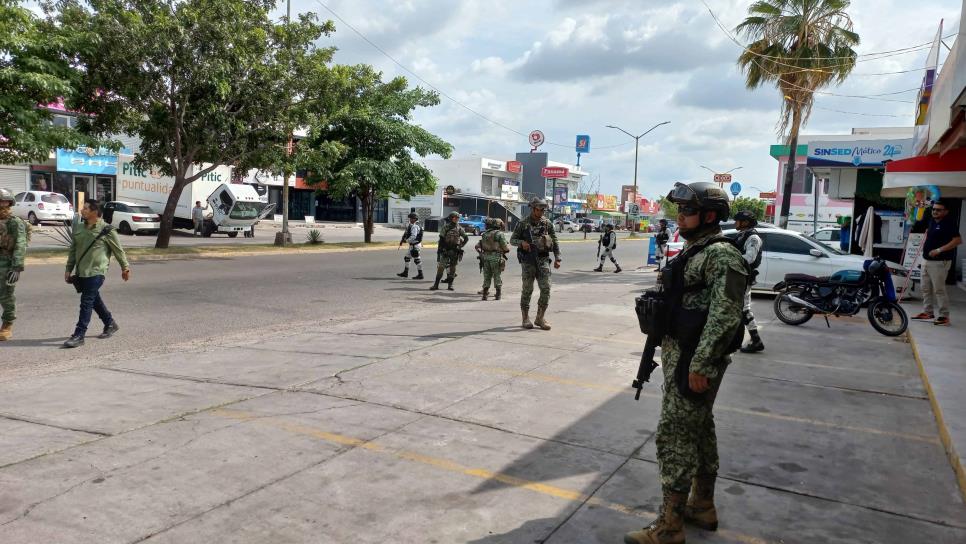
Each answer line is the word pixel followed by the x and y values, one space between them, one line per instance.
pixel 33 73
pixel 670 209
pixel 800 46
pixel 380 141
pixel 203 83
pixel 753 205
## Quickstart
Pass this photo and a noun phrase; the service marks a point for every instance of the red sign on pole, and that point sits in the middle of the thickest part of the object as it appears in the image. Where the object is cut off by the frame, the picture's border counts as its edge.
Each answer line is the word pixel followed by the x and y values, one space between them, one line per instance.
pixel 514 167
pixel 771 195
pixel 554 172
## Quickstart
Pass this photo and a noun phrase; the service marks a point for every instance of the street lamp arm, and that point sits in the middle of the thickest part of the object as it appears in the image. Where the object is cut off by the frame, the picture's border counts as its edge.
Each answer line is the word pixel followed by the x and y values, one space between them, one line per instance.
pixel 622 130
pixel 652 128
pixel 708 169
pixel 733 169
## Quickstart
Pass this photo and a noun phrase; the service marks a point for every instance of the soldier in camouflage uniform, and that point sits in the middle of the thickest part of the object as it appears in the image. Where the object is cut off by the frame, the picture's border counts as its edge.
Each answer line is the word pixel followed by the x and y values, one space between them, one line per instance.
pixel 452 238
pixel 535 239
pixel 492 248
pixel 13 248
pixel 714 281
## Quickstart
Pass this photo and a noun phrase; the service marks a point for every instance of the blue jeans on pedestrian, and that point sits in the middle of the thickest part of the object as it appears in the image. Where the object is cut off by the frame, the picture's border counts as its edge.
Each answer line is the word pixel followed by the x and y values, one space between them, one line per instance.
pixel 91 301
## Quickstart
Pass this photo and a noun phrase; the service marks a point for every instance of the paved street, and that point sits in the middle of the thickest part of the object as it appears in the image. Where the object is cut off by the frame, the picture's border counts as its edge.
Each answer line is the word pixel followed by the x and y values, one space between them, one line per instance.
pixel 336 403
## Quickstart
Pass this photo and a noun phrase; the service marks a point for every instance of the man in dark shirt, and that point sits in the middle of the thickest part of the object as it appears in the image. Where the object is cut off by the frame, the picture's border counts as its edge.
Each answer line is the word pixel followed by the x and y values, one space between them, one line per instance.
pixel 937 254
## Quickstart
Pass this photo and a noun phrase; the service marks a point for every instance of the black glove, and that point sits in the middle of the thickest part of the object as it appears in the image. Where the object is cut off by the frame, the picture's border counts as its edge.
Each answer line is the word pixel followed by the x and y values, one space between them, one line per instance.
pixel 13 277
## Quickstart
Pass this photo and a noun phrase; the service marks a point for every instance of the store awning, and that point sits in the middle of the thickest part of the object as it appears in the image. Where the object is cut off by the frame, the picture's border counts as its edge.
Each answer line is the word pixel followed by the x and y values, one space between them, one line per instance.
pixel 604 213
pixel 948 172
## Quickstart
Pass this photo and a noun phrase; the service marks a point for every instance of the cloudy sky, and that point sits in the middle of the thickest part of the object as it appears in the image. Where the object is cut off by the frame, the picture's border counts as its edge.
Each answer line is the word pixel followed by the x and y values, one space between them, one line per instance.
pixel 571 67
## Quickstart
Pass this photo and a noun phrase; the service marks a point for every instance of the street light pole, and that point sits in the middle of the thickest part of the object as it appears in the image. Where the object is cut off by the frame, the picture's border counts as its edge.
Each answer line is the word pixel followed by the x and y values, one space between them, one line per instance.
pixel 637 147
pixel 285 237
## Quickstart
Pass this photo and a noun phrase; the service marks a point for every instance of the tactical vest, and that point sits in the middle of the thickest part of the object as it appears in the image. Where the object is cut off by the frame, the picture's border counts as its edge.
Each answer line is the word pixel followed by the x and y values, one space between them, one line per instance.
pixel 8 239
pixel 490 241
pixel 607 237
pixel 452 237
pixel 742 240
pixel 541 238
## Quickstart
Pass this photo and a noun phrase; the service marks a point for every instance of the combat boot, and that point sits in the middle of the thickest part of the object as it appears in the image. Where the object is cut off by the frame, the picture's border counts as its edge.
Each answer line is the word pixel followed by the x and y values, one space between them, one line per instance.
pixel 700 511
pixel 668 528
pixel 6 332
pixel 618 271
pixel 540 321
pixel 755 345
pixel 404 274
pixel 599 268
pixel 419 276
pixel 526 318
pixel 435 287
pixel 486 292
pixel 449 283
pixel 497 296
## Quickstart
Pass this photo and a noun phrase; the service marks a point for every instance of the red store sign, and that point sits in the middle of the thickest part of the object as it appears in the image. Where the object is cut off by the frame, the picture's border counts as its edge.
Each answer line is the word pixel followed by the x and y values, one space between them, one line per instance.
pixel 514 167
pixel 555 172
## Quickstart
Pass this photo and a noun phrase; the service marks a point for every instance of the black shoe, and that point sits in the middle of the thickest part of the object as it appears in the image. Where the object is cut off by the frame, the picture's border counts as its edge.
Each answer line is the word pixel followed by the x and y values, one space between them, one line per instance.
pixel 599 269
pixel 618 271
pixel 450 287
pixel 73 342
pixel 109 330
pixel 753 347
pixel 418 276
pixel 435 287
pixel 403 274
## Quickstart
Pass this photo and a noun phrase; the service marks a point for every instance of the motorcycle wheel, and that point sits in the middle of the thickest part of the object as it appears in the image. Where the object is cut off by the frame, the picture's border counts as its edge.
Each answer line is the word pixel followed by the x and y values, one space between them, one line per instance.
pixel 788 312
pixel 888 318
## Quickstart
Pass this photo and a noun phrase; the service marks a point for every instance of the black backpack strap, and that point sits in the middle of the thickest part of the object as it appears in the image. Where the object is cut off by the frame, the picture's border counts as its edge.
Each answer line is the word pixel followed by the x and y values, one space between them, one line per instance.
pixel 104 231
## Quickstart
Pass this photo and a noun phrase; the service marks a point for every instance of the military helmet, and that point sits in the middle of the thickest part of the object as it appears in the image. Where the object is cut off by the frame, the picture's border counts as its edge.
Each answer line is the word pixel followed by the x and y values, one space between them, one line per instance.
pixel 490 222
pixel 5 194
pixel 499 223
pixel 453 214
pixel 538 203
pixel 704 195
pixel 745 215
pixel 413 215
pixel 608 226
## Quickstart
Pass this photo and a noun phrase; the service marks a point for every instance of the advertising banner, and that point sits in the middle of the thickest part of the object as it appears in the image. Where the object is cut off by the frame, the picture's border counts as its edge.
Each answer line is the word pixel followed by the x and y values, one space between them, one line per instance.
pixel 858 154
pixel 87 160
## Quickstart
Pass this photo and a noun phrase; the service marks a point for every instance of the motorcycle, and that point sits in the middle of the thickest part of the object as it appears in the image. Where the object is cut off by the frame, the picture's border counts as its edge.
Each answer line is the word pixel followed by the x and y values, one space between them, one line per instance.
pixel 800 296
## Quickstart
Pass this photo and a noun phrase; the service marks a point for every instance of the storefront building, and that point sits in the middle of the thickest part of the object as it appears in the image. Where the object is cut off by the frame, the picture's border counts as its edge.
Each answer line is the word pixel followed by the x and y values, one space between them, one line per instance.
pixel 471 186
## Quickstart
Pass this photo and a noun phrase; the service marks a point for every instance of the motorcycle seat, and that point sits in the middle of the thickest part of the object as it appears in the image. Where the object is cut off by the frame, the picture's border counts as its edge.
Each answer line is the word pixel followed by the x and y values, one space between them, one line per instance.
pixel 802 277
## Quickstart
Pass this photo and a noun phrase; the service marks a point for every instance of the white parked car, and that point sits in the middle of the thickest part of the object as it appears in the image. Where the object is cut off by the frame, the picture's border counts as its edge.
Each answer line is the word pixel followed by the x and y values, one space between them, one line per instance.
pixel 829 236
pixel 790 252
pixel 43 207
pixel 566 225
pixel 131 218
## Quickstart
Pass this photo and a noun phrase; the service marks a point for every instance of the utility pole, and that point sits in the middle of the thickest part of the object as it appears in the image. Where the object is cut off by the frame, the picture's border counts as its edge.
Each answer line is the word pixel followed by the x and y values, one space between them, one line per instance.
pixel 285 237
pixel 637 146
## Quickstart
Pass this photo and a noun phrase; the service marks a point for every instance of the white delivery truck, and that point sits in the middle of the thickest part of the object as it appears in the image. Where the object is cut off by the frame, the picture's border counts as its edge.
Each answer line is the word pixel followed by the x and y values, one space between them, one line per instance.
pixel 230 207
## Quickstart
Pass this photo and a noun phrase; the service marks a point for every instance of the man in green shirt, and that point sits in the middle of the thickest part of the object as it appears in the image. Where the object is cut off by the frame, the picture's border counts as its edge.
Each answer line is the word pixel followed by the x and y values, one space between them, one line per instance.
pixel 90 252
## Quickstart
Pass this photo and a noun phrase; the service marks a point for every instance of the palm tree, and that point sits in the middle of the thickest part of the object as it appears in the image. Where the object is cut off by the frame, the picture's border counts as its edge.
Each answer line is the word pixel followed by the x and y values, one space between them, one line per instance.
pixel 800 46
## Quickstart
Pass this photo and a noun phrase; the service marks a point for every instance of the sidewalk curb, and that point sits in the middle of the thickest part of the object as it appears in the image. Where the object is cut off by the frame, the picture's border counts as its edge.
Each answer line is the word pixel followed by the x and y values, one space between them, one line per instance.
pixel 944 436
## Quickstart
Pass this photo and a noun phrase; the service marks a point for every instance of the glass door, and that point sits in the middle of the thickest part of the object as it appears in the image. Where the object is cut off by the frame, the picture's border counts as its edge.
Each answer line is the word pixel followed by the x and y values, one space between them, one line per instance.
pixel 105 188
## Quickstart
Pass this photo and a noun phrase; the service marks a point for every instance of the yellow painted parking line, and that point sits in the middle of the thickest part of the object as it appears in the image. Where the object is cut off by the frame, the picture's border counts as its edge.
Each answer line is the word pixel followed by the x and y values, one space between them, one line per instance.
pixel 453 466
pixel 718 406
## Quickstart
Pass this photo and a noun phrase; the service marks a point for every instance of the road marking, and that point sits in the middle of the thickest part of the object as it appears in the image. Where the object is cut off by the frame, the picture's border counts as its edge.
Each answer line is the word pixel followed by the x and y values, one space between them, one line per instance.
pixel 453 466
pixel 718 406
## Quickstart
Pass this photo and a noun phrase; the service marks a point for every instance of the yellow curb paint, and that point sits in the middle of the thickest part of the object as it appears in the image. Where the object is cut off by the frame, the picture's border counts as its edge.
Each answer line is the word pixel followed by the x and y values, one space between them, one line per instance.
pixel 453 466
pixel 947 440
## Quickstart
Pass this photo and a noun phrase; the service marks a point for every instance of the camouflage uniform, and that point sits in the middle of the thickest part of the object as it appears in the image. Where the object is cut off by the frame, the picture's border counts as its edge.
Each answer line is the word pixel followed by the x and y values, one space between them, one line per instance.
pixel 541 272
pixel 686 443
pixel 447 255
pixel 493 246
pixel 13 248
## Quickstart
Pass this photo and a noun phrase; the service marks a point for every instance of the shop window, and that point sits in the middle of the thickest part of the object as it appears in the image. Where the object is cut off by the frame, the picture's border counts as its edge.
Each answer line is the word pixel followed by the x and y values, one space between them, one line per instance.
pixel 802 183
pixel 41 181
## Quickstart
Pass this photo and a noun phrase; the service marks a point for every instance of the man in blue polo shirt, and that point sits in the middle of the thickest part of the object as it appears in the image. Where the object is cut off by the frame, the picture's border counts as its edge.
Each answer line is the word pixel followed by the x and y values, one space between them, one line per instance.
pixel 937 254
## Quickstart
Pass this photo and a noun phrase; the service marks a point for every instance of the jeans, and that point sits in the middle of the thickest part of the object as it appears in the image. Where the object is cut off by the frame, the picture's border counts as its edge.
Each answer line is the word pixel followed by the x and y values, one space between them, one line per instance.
pixel 199 227
pixel 90 300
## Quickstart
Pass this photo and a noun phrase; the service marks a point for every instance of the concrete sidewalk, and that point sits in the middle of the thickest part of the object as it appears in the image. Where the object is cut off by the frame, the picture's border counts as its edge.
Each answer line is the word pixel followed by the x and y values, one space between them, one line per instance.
pixel 941 357
pixel 451 424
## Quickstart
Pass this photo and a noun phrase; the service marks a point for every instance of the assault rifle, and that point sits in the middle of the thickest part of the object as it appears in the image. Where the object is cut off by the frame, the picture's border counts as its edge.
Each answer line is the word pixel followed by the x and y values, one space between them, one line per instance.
pixel 650 308
pixel 599 240
pixel 532 256
pixel 479 257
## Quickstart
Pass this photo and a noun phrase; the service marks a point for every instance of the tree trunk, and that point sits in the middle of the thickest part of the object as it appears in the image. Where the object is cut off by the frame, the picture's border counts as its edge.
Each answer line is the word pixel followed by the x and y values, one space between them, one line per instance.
pixel 167 217
pixel 790 168
pixel 367 209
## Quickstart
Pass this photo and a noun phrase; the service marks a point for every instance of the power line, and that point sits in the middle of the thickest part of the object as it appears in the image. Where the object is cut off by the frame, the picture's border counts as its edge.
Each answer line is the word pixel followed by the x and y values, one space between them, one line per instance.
pixel 443 93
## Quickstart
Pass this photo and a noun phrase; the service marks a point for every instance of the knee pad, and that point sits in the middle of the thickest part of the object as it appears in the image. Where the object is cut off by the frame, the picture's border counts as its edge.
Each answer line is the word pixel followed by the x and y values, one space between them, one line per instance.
pixel 406 258
pixel 417 260
pixel 748 317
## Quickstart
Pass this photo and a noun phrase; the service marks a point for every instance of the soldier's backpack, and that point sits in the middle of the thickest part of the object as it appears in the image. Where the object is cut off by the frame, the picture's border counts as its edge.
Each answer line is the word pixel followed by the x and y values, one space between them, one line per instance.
pixel 489 242
pixel 452 237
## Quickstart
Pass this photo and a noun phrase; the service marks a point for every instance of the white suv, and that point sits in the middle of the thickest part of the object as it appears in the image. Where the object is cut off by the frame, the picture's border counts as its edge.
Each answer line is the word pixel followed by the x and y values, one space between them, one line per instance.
pixel 131 218
pixel 41 206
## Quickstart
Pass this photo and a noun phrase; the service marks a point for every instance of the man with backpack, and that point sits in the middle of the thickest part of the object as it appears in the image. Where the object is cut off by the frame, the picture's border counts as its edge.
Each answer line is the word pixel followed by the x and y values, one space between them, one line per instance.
pixel 90 254
pixel 492 247
pixel 452 238
pixel 749 243
pixel 13 249
pixel 702 291
pixel 608 241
